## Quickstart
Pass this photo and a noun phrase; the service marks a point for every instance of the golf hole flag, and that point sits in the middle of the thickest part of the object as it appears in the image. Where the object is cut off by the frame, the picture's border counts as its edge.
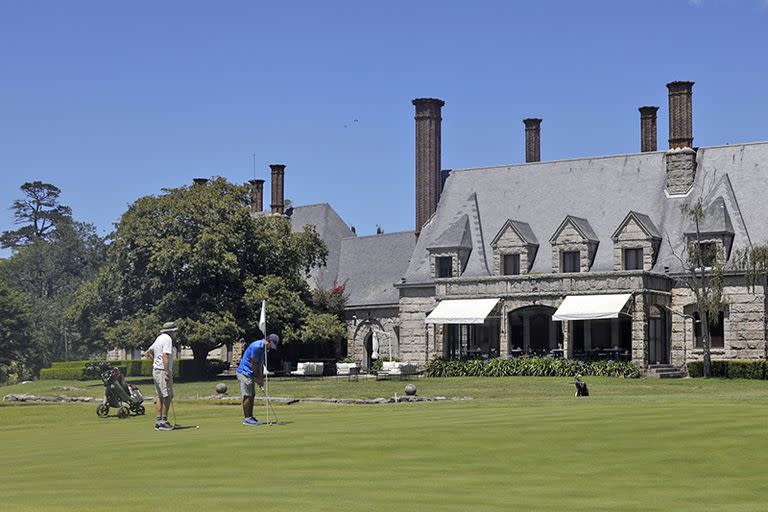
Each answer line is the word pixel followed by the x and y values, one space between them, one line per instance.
pixel 263 318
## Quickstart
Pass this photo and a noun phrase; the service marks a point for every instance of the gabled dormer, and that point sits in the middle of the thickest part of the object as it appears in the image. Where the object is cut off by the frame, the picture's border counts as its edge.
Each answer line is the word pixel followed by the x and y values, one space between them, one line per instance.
pixel 574 245
pixel 448 255
pixel 715 233
pixel 636 243
pixel 514 248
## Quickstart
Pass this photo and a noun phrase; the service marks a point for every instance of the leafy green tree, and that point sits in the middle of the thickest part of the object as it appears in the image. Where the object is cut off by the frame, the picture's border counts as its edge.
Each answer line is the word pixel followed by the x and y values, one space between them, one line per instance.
pixel 15 328
pixel 52 256
pixel 38 214
pixel 196 254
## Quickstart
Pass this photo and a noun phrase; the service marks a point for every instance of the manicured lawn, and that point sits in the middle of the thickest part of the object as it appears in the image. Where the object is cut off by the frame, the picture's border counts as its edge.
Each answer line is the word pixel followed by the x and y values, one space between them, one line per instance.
pixel 521 444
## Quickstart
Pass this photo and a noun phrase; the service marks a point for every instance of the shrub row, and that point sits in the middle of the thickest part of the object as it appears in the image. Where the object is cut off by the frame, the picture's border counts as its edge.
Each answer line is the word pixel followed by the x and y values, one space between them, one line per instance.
pixel 68 373
pixel 731 369
pixel 529 366
pixel 183 369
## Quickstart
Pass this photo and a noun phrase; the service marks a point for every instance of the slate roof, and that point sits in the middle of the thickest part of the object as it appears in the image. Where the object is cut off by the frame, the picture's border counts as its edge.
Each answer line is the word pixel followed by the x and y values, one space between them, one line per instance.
pixel 457 235
pixel 371 265
pixel 602 190
pixel 581 225
pixel 716 220
pixel 331 229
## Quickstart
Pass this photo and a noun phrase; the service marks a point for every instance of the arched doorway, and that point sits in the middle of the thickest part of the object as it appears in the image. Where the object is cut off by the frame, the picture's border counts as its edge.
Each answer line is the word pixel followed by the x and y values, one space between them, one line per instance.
pixel 532 331
pixel 368 350
pixel 658 340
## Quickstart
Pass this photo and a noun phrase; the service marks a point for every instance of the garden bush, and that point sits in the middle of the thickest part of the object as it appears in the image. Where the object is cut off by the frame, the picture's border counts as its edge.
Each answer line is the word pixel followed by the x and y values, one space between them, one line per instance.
pixel 183 369
pixel 730 369
pixel 528 366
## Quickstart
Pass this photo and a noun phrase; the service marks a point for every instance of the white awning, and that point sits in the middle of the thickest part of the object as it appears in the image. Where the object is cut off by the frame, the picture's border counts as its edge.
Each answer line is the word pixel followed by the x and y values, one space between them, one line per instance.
pixel 591 307
pixel 466 311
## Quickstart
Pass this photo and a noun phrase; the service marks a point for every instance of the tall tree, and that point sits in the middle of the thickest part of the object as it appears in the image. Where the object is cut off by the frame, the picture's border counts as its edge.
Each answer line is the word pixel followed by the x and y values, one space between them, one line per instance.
pixel 196 254
pixel 704 275
pixel 52 256
pixel 38 214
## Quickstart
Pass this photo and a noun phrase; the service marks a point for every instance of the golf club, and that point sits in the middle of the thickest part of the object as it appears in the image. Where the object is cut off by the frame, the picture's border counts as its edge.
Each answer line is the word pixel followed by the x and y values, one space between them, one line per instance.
pixel 176 425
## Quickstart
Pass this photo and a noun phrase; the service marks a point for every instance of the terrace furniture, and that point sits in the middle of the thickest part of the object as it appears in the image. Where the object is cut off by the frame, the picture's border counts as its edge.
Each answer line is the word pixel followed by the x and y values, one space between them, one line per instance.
pixel 311 369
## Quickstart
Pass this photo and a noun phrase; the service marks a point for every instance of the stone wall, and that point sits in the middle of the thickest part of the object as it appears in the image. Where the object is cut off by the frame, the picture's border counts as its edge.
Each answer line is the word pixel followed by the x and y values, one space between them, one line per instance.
pixel 744 328
pixel 362 322
pixel 420 342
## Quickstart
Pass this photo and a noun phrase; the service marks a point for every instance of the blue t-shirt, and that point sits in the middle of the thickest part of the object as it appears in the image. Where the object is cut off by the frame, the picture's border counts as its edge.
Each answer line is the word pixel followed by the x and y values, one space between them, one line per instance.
pixel 254 351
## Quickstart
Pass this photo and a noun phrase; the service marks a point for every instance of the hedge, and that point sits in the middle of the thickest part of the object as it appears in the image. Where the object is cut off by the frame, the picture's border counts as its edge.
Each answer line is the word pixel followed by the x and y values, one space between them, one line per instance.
pixel 529 366
pixel 731 369
pixel 183 369
pixel 67 373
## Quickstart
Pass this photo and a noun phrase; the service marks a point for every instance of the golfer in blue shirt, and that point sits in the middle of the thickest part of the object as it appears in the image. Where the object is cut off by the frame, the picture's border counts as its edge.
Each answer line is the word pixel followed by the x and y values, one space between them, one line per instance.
pixel 250 370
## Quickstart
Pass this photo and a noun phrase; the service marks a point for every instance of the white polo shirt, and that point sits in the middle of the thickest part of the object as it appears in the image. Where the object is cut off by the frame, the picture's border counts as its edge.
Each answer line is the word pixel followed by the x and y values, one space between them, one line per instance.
pixel 162 345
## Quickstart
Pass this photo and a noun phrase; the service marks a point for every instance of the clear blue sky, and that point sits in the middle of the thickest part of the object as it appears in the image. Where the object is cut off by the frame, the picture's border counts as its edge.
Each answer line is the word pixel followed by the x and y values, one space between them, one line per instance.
pixel 111 101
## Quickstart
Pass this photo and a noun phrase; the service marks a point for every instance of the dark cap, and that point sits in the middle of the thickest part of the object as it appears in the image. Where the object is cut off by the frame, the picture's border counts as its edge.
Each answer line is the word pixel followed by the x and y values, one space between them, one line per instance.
pixel 274 339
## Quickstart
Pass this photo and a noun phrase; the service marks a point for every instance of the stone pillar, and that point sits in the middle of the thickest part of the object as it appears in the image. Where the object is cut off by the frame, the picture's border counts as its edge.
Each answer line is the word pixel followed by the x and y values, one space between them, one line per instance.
pixel 238 347
pixel 257 195
pixel 639 333
pixel 567 345
pixel 532 139
pixel 278 179
pixel 428 141
pixel 681 170
pixel 680 114
pixel 648 129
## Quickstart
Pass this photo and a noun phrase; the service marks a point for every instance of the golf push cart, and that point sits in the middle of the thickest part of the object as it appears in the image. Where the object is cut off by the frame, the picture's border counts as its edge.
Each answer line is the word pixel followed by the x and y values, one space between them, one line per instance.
pixel 126 398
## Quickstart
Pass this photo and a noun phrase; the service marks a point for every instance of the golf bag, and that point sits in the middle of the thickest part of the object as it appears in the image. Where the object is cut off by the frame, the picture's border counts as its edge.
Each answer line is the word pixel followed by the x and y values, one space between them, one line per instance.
pixel 126 398
pixel 581 386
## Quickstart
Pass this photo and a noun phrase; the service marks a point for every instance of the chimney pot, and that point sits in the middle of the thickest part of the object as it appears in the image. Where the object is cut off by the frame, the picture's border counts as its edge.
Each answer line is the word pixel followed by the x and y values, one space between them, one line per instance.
pixel 648 128
pixel 428 148
pixel 199 181
pixel 532 139
pixel 680 114
pixel 257 195
pixel 278 180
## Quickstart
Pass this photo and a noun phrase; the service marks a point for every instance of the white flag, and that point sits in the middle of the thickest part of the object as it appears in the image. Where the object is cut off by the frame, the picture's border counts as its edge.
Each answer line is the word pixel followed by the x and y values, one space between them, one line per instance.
pixel 263 318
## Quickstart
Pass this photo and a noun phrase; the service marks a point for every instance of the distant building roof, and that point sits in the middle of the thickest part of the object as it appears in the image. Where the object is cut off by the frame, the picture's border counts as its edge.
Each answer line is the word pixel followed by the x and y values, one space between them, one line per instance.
pixel 371 265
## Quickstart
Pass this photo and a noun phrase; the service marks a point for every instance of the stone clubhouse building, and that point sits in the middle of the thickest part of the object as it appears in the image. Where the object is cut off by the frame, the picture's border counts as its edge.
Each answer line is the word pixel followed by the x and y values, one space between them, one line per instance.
pixel 581 258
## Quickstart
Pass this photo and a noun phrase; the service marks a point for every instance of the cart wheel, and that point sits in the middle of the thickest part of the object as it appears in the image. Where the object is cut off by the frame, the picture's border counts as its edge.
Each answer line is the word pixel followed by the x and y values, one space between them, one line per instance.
pixel 123 412
pixel 140 410
pixel 102 411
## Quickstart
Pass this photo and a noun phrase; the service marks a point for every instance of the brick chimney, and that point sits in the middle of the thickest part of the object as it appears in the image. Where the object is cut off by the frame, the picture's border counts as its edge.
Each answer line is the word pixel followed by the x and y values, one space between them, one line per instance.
pixel 428 119
pixel 648 129
pixel 681 157
pixel 257 195
pixel 680 114
pixel 532 139
pixel 199 181
pixel 278 179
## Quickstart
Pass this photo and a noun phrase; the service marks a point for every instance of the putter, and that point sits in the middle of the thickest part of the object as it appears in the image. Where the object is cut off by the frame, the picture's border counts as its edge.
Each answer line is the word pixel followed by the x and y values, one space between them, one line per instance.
pixel 176 425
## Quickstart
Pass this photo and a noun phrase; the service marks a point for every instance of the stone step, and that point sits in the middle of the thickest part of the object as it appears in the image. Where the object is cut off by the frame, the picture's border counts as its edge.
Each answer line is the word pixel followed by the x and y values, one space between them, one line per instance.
pixel 672 375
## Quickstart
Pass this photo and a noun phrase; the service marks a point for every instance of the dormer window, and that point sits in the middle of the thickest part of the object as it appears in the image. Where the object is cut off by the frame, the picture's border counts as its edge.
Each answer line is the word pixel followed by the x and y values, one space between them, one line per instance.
pixel 514 249
pixel 633 259
pixel 444 266
pixel 511 265
pixel 636 243
pixel 714 234
pixel 450 252
pixel 571 261
pixel 574 246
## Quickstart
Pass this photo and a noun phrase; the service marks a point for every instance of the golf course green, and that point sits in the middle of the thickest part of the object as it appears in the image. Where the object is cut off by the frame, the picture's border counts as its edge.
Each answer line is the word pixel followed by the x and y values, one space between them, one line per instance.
pixel 519 444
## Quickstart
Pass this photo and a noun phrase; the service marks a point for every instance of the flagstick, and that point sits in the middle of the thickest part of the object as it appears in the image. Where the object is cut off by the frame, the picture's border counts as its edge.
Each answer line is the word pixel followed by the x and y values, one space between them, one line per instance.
pixel 266 377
